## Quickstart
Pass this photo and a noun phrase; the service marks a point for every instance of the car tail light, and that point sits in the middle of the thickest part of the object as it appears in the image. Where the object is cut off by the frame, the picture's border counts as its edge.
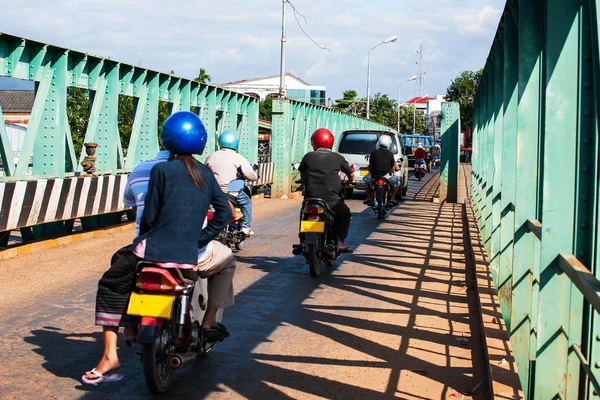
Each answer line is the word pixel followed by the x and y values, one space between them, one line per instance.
pixel 381 182
pixel 156 279
pixel 313 210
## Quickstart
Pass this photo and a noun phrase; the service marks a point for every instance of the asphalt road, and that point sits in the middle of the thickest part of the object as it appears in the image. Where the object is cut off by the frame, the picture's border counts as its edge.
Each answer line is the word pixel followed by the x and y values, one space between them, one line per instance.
pixel 390 321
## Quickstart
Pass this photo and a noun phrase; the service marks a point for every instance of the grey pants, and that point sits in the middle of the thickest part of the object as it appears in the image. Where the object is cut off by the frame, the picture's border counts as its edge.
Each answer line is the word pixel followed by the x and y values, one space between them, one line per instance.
pixel 219 268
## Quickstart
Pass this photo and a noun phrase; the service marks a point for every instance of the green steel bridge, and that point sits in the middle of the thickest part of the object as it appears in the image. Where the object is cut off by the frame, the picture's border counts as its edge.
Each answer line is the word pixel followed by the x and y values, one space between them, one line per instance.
pixel 535 167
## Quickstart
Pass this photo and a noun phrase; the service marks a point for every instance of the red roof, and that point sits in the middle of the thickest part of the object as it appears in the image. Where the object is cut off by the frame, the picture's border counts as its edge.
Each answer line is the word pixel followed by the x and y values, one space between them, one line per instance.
pixel 419 100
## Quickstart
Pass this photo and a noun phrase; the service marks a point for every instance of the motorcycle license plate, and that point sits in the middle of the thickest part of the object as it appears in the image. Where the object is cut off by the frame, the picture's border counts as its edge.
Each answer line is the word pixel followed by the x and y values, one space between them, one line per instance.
pixel 151 305
pixel 312 226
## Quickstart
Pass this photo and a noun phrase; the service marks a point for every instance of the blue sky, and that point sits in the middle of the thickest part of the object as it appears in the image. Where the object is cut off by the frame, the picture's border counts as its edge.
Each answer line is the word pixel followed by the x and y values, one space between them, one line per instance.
pixel 232 39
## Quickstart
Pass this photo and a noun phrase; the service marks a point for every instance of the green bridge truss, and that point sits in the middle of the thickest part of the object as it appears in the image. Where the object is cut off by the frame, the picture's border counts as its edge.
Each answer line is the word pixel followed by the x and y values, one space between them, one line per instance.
pixel 48 170
pixel 535 185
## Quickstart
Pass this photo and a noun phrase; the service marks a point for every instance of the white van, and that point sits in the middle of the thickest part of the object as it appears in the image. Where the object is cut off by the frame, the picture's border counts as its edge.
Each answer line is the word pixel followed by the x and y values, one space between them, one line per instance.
pixel 356 147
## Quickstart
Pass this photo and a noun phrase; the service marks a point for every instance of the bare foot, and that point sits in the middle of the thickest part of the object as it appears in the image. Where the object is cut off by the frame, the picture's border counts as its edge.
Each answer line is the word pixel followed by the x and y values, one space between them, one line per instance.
pixel 105 365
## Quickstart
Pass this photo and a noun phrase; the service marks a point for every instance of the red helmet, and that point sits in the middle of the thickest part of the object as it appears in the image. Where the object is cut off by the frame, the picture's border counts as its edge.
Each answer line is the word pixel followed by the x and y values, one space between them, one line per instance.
pixel 322 137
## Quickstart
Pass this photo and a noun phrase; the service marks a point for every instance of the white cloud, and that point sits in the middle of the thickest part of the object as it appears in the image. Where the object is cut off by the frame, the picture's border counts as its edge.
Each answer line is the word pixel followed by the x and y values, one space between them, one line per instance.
pixel 225 37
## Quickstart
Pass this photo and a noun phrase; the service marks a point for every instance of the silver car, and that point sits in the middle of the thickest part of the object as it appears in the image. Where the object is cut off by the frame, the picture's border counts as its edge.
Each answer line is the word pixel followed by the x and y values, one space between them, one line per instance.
pixel 356 147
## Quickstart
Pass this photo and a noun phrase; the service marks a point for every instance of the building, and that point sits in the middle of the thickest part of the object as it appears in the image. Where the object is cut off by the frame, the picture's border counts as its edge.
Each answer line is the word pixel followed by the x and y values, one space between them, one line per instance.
pixel 16 108
pixel 268 86
pixel 420 103
pixel 433 117
pixel 16 105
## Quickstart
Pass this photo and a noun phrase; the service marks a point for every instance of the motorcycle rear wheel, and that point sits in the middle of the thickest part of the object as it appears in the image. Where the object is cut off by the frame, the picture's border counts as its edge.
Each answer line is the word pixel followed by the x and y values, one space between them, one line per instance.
pixel 380 196
pixel 312 255
pixel 157 372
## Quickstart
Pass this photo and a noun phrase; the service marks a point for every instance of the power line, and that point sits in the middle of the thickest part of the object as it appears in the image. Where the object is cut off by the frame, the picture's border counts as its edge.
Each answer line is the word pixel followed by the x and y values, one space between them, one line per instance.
pixel 296 13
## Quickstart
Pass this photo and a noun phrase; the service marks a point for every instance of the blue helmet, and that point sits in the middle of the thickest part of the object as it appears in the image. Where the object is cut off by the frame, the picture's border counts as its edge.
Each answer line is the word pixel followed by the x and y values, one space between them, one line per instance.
pixel 228 140
pixel 184 133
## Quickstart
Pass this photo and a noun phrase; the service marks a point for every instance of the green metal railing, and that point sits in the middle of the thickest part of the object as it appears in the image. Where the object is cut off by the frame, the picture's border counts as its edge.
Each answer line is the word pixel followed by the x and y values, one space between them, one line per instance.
pixel 49 139
pixel 535 190
pixel 293 124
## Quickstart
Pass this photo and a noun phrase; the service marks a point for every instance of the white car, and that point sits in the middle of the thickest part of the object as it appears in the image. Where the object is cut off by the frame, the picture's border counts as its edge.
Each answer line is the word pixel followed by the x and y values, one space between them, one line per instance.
pixel 356 147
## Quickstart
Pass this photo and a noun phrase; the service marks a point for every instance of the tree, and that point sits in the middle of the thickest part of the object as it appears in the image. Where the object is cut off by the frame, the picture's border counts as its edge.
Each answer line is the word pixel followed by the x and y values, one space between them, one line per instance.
pixel 408 115
pixel 462 90
pixel 203 76
pixel 265 109
pixel 78 115
pixel 383 110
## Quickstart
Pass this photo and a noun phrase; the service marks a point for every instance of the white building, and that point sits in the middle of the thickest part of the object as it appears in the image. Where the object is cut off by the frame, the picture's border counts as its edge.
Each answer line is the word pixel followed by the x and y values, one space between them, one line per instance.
pixel 433 117
pixel 268 86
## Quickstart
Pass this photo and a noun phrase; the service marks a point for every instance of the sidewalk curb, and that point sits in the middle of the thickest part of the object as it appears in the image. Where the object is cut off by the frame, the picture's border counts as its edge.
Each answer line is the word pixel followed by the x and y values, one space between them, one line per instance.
pixel 62 240
pixel 503 377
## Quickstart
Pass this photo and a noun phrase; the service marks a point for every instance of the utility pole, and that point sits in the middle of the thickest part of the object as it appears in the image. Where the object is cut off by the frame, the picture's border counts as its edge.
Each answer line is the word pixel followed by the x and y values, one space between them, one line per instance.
pixel 283 41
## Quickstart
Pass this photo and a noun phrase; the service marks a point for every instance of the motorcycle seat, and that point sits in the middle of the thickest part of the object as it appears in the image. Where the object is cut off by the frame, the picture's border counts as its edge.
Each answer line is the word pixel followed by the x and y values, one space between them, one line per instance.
pixel 320 202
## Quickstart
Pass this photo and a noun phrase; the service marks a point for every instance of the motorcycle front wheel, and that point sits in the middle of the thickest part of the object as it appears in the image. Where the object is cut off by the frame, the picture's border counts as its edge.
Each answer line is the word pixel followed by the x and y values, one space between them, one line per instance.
pixel 157 372
pixel 312 254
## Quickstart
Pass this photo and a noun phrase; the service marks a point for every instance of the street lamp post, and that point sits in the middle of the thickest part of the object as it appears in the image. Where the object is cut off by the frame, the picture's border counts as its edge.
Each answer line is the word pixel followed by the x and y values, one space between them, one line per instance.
pixel 412 78
pixel 283 41
pixel 386 41
pixel 415 113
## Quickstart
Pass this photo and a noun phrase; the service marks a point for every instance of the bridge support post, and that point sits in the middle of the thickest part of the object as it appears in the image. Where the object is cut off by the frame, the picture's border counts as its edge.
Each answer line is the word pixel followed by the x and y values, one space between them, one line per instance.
pixel 450 152
pixel 281 147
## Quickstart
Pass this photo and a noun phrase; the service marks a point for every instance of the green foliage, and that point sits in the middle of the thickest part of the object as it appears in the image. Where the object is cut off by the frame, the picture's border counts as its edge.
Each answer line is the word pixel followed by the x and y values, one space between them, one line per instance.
pixel 203 76
pixel 78 114
pixel 382 109
pixel 265 109
pixel 125 121
pixel 462 90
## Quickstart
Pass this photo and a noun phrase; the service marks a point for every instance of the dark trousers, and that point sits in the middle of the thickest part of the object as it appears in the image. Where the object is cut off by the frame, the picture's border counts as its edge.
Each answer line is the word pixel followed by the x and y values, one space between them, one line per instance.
pixel 341 221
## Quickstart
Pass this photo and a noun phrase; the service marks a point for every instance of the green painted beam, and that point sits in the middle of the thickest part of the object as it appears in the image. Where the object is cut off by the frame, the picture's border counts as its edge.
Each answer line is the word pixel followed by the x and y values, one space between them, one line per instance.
pixel 49 139
pixel 450 162
pixel 293 124
pixel 536 165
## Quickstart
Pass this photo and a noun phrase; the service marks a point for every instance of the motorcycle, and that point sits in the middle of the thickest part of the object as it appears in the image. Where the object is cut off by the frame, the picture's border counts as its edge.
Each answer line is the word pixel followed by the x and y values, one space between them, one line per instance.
pixel 232 234
pixel 420 168
pixel 170 303
pixel 382 194
pixel 436 162
pixel 316 222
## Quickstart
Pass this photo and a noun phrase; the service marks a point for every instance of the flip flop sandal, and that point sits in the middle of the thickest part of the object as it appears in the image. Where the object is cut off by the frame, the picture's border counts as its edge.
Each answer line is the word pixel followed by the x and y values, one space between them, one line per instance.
pixel 346 250
pixel 114 377
pixel 215 333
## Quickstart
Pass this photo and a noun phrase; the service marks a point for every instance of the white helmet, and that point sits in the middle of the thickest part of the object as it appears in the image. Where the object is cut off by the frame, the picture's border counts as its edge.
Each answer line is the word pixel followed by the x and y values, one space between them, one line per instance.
pixel 384 141
pixel 420 146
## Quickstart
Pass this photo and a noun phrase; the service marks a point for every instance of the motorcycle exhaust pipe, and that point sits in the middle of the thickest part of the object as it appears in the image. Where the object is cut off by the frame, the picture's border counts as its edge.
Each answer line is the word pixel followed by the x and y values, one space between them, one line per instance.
pixel 177 361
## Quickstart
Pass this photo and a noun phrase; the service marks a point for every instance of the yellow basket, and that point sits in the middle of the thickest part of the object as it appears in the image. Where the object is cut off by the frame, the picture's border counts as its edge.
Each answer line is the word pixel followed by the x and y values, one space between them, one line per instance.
pixel 151 305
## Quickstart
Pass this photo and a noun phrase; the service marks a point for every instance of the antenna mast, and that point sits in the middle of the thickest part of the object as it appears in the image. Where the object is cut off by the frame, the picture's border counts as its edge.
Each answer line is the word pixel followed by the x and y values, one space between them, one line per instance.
pixel 420 64
pixel 140 48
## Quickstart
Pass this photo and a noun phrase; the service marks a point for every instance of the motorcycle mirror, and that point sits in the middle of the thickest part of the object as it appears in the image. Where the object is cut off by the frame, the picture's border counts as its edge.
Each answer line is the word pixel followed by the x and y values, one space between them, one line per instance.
pixel 355 167
pixel 297 166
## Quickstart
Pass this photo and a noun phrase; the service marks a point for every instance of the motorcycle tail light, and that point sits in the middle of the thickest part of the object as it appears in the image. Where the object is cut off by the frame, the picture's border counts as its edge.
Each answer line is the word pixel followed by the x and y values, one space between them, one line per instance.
pixel 380 182
pixel 210 215
pixel 156 279
pixel 313 210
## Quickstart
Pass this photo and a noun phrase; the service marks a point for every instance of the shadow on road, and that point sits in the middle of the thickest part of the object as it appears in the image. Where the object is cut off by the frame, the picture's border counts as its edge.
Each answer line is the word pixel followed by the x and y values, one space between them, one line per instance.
pixel 382 323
